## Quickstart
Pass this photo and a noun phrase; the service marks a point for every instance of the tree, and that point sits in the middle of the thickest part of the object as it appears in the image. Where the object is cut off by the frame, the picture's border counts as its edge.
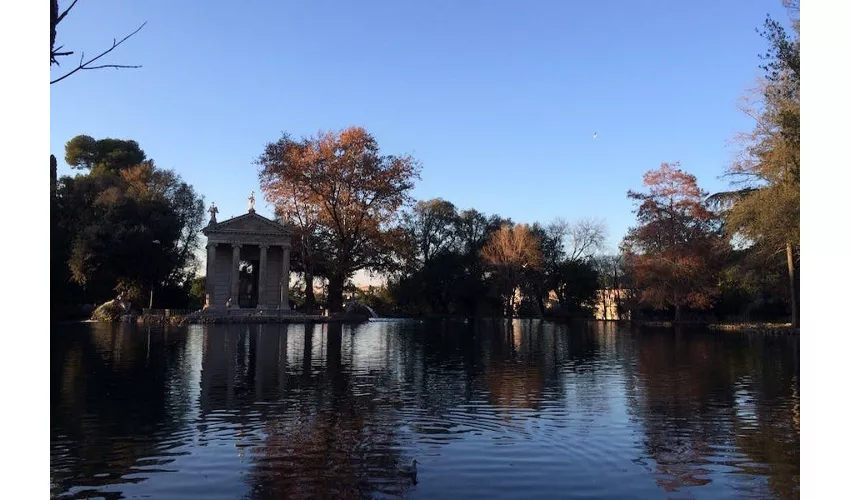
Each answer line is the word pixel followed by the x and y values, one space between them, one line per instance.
pixel 576 285
pixel 676 249
pixel 510 252
pixel 473 230
pixel 765 210
pixel 353 189
pixel 612 281
pixel 122 226
pixel 310 239
pixel 432 227
pixel 539 281
pixel 442 271
pixel 567 267
pixel 83 152
pixel 579 239
pixel 55 52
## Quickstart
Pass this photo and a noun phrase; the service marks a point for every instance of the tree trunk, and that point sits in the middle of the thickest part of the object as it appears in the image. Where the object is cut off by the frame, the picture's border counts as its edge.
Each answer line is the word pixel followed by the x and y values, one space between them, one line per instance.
pixel 795 314
pixel 604 304
pixel 618 303
pixel 52 176
pixel 540 305
pixel 309 294
pixel 678 317
pixel 335 288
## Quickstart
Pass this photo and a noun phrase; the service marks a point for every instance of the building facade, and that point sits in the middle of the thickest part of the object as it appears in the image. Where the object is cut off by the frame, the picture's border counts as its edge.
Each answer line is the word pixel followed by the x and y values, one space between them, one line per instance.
pixel 247 262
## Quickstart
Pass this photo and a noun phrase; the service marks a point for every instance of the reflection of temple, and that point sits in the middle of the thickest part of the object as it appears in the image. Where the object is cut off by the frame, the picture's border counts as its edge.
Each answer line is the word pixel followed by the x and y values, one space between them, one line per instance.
pixel 315 436
pixel 244 364
pixel 516 383
pixel 247 262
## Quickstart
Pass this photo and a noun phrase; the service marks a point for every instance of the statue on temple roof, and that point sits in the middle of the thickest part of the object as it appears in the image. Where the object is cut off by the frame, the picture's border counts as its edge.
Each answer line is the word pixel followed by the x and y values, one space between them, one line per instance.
pixel 213 210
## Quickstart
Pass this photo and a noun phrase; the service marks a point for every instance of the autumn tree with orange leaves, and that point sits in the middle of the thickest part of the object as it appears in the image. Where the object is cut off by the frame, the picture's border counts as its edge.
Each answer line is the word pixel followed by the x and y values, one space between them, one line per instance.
pixel 342 184
pixel 511 252
pixel 676 250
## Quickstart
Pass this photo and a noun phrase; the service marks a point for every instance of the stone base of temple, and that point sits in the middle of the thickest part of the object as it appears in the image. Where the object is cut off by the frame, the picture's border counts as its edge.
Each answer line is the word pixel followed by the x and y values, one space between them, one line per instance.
pixel 262 316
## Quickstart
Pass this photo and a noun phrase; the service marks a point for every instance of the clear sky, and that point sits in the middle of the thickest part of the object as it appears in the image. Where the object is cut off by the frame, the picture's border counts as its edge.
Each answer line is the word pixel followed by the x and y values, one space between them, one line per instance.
pixel 498 100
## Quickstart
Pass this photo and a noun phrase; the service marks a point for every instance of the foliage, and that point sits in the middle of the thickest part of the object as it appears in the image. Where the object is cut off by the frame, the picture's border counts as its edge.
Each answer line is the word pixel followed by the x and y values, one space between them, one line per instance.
pixel 511 254
pixel 441 272
pixel 676 250
pixel 123 226
pixel 310 257
pixel 432 227
pixel 463 262
pixel 577 284
pixel 615 286
pixel 765 209
pixel 568 268
pixel 350 188
pixel 197 292
pixel 101 156
pixel 378 298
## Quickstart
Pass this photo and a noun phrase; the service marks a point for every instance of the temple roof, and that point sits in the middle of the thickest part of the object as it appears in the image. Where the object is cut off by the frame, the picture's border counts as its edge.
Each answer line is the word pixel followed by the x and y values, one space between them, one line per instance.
pixel 250 224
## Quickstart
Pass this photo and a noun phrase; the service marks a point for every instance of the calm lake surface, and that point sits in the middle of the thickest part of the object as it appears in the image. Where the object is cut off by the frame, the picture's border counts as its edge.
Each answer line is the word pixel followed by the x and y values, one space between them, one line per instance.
pixel 489 409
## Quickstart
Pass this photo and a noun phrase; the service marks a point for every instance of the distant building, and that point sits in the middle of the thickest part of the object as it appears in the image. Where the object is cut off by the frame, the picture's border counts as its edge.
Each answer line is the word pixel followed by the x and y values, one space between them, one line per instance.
pixel 607 306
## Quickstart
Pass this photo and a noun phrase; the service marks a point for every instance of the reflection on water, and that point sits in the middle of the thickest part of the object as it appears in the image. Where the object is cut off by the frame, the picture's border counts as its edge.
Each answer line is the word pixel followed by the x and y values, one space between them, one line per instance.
pixel 489 409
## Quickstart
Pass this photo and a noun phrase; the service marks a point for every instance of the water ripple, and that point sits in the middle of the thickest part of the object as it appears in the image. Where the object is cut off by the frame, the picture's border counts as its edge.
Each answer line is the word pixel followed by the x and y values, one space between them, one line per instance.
pixel 500 409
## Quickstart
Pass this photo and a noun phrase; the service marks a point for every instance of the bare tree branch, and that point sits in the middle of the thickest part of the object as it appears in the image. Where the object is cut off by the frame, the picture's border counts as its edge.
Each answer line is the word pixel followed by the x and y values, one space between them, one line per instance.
pixel 65 13
pixel 55 19
pixel 117 66
pixel 85 65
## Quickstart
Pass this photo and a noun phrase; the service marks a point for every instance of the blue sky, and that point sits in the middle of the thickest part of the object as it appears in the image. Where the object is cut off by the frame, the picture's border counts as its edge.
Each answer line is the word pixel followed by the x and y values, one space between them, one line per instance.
pixel 498 100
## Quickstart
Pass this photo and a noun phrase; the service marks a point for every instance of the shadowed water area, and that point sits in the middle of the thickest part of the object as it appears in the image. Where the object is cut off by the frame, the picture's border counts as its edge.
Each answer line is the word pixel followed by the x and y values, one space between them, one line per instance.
pixel 489 409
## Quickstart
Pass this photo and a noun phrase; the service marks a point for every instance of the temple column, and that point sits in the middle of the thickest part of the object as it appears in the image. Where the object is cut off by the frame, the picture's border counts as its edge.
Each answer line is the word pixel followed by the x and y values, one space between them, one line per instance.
pixel 210 279
pixel 284 281
pixel 261 289
pixel 234 277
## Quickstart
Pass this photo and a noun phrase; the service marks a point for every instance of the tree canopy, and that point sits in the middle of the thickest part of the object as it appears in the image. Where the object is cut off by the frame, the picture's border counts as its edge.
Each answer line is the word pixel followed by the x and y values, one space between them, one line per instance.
pixel 350 188
pixel 765 207
pixel 126 226
pixel 676 249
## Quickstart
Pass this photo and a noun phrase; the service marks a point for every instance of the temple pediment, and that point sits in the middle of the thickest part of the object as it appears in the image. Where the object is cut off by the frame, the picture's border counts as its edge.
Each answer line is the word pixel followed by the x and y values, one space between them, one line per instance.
pixel 250 223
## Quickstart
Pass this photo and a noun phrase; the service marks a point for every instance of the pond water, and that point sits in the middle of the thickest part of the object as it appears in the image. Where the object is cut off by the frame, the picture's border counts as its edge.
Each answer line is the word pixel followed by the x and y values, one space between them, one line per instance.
pixel 488 409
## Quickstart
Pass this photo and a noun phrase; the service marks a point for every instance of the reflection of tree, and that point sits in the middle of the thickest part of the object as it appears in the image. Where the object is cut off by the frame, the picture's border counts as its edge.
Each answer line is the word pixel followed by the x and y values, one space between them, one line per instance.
pixel 690 386
pixel 331 441
pixel 451 364
pixel 682 391
pixel 766 423
pixel 325 411
pixel 109 402
pixel 514 379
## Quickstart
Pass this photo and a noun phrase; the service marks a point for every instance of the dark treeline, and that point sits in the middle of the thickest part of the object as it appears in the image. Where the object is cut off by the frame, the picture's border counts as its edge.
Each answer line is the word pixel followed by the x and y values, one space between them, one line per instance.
pixel 464 262
pixel 121 227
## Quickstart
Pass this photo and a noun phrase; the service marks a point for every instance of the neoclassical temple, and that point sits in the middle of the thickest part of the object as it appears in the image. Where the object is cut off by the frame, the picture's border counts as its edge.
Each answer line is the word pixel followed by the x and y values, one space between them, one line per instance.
pixel 247 262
